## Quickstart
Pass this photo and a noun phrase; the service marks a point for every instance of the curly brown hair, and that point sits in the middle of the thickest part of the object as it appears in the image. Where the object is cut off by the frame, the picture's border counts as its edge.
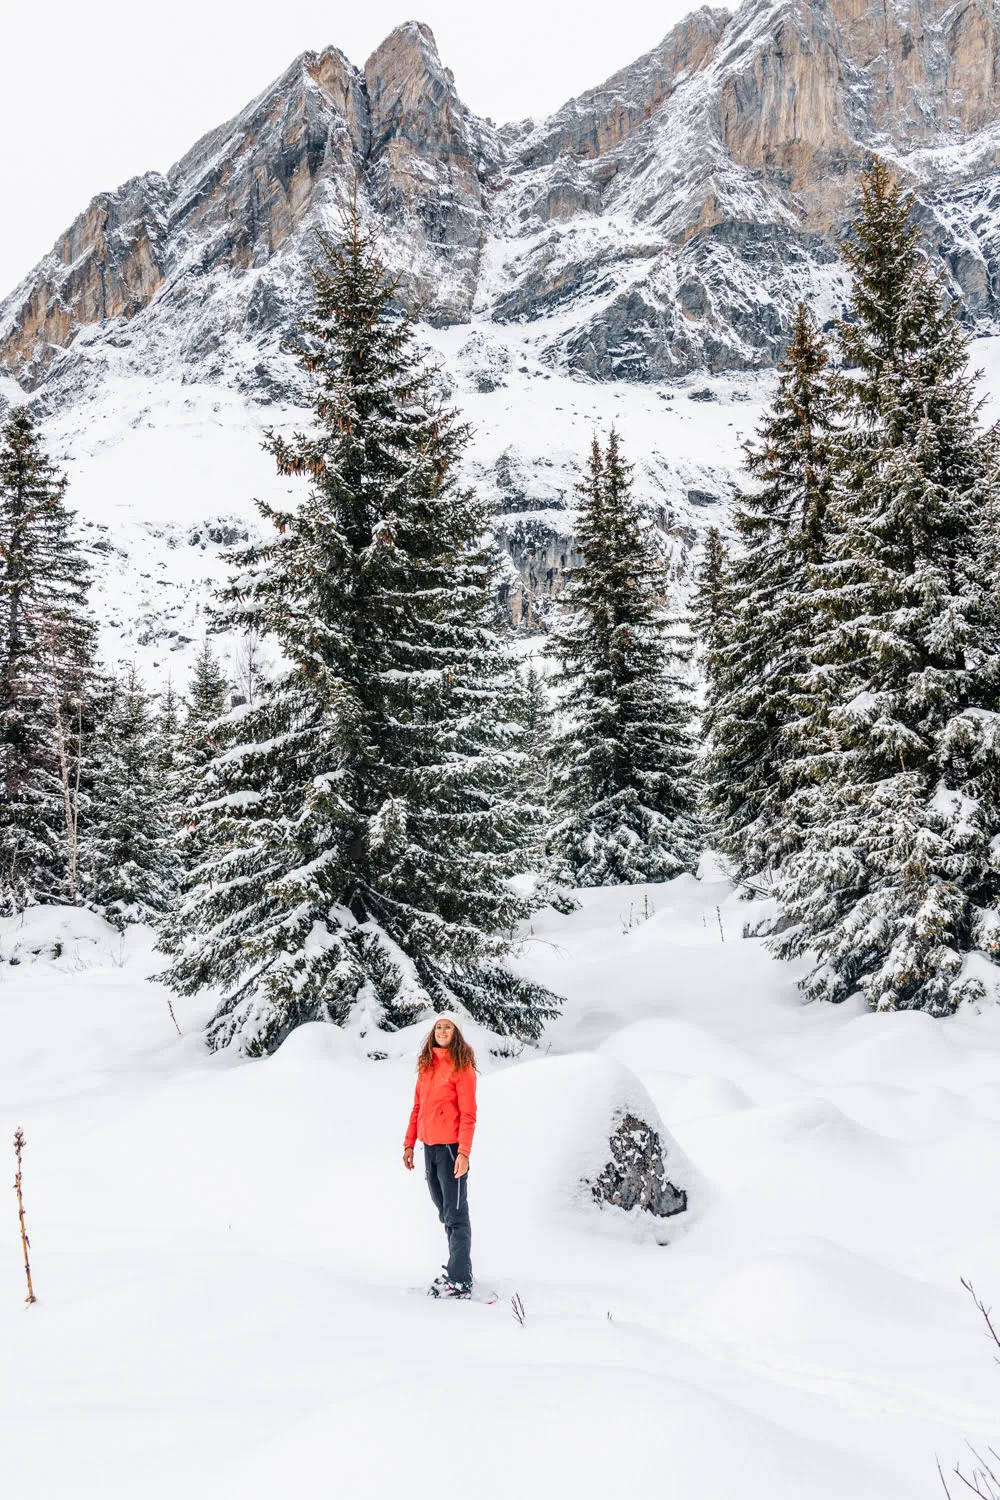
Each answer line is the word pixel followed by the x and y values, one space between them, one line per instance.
pixel 462 1055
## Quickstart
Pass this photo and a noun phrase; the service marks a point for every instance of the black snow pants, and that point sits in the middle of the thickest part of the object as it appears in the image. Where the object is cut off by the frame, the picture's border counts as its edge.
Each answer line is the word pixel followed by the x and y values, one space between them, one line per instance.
pixel 451 1199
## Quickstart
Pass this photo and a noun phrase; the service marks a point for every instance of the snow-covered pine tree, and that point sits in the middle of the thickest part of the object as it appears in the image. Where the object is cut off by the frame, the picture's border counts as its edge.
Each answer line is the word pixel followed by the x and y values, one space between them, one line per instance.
pixel 169 721
pixel 197 742
pixel 129 865
pixel 709 600
pixel 758 662
pixel 623 784
pixel 531 713
pixel 46 655
pixel 168 727
pixel 362 811
pixel 711 624
pixel 207 698
pixel 898 880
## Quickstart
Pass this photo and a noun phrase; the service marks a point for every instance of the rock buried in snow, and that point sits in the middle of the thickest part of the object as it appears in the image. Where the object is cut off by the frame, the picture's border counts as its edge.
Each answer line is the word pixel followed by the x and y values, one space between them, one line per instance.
pixel 635 1177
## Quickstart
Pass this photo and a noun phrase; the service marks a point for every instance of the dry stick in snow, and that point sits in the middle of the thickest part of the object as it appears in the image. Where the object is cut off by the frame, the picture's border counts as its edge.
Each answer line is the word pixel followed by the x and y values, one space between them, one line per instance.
pixel 987 1316
pixel 718 913
pixel 18 1147
pixel 982 1481
pixel 170 1007
pixel 984 1478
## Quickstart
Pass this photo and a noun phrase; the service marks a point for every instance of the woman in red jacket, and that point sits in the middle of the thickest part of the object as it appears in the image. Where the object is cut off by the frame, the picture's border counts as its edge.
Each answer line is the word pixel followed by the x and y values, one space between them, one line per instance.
pixel 443 1118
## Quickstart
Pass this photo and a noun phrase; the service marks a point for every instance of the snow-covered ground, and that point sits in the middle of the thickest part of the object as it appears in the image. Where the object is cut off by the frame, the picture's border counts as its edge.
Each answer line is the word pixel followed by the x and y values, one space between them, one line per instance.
pixel 222 1251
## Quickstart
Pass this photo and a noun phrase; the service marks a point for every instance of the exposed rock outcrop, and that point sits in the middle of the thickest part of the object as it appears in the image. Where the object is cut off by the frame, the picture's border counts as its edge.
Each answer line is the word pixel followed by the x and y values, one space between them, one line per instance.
pixel 108 265
pixel 424 165
pixel 598 121
pixel 635 1176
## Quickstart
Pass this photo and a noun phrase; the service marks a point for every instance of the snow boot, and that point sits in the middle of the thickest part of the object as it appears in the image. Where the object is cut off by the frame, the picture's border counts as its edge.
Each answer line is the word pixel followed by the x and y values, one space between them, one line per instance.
pixel 456 1290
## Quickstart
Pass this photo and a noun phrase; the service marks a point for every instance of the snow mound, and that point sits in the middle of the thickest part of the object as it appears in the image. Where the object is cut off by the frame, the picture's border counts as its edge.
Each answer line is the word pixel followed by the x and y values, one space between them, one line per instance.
pixel 548 1126
pixel 65 935
pixel 484 362
pixel 688 1052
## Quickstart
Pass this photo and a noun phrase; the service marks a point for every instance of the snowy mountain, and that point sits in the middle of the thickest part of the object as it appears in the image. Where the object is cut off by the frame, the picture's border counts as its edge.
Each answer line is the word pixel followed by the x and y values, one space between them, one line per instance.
pixel 661 223
pixel 651 236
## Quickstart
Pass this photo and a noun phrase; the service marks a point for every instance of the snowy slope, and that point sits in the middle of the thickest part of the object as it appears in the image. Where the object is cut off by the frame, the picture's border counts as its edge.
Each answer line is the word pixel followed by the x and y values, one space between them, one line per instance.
pixel 222 1250
pixel 164 473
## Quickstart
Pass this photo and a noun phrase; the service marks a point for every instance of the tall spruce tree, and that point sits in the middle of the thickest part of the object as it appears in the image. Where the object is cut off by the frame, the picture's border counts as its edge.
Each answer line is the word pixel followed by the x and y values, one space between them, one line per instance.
pixel 710 599
pixel 623 784
pixel 168 724
pixel 360 812
pixel 758 663
pixel 207 694
pixel 129 864
pixel 712 624
pixel 46 657
pixel 531 713
pixel 198 741
pixel 897 880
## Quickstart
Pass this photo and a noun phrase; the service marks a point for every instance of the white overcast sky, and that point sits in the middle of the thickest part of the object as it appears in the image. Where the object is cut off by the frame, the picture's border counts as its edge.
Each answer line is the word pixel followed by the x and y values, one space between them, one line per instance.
pixel 96 91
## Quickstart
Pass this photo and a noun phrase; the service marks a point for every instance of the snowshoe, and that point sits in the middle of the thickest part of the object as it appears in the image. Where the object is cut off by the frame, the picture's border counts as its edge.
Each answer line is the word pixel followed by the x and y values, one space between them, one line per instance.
pixel 453 1290
pixel 437 1289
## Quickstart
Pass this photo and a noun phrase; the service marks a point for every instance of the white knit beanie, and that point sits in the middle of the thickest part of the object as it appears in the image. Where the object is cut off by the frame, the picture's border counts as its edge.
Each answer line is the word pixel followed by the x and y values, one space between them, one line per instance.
pixel 448 1015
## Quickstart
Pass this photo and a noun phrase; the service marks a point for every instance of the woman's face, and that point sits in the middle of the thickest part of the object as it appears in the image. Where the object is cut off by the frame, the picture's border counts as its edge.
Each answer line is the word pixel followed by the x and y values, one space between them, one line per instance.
pixel 443 1033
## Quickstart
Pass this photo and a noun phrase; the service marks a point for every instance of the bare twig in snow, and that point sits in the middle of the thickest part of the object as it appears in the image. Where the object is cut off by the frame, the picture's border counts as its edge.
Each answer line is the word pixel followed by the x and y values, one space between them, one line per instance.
pixel 986 1314
pixel 984 1478
pixel 18 1148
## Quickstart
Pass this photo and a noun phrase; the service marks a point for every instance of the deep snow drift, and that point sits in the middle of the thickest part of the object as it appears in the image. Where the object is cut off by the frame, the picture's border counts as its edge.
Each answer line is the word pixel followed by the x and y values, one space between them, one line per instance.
pixel 222 1251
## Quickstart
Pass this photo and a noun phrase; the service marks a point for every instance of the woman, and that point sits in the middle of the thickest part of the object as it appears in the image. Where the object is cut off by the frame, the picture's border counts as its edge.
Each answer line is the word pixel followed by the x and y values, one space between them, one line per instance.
pixel 444 1118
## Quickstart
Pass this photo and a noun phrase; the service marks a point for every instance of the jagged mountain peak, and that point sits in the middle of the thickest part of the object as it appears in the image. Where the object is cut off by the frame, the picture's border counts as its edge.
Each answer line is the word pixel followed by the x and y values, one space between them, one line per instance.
pixel 413 40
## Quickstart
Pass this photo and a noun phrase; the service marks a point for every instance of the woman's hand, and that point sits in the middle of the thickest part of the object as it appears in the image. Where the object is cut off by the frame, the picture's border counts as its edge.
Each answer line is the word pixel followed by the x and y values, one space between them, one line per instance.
pixel 408 1158
pixel 461 1164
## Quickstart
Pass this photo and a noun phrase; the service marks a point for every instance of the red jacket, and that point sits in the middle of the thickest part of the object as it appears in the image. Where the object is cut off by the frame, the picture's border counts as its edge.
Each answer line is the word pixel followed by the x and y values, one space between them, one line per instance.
pixel 444 1105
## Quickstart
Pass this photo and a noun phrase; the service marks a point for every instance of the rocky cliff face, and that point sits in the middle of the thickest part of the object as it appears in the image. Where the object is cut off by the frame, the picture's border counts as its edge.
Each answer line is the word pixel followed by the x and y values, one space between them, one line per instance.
pixel 696 229
pixel 218 247
pixel 663 222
